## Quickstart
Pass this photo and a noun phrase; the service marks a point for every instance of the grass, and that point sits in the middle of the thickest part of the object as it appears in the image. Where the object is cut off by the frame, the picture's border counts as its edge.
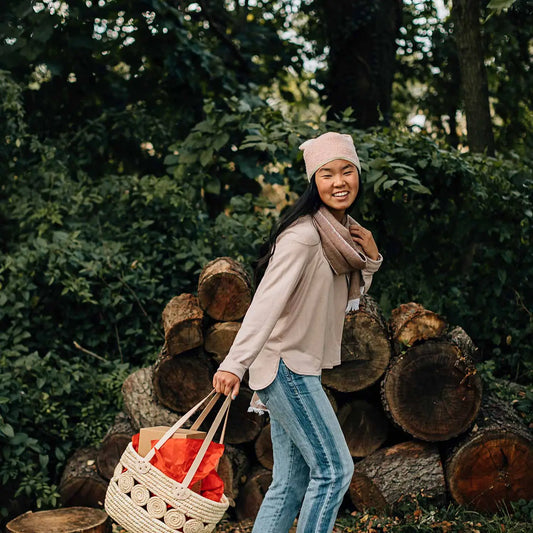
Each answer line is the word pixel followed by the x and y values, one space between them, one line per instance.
pixel 416 516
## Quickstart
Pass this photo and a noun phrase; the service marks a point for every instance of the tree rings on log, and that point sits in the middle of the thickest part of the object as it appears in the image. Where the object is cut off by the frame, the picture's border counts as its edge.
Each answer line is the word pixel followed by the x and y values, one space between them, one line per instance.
pixel 410 323
pixel 141 404
pixel 491 465
pixel 181 382
pixel 182 322
pixel 67 520
pixel 382 478
pixel 219 338
pixel 431 391
pixel 114 444
pixel 224 289
pixel 364 425
pixel 365 350
pixel 252 494
pixel 80 483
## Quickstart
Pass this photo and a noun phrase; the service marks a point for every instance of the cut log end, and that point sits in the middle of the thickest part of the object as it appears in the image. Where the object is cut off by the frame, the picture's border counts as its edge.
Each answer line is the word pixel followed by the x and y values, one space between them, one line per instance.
pixel 365 351
pixel 492 469
pixel 67 520
pixel 432 392
pixel 181 382
pixel 365 427
pixel 80 483
pixel 182 322
pixel 219 338
pixel 224 289
pixel 411 322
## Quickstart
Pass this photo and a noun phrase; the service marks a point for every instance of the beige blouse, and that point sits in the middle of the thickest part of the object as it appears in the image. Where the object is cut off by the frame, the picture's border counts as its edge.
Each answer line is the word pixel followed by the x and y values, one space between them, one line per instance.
pixel 297 312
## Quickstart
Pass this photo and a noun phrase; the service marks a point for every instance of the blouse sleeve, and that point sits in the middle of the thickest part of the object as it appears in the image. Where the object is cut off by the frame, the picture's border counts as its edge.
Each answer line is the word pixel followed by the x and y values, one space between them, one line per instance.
pixel 372 266
pixel 281 277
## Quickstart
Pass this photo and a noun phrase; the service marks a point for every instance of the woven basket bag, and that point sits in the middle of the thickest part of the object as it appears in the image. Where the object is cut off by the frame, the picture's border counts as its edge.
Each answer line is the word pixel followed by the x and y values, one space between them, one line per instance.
pixel 142 499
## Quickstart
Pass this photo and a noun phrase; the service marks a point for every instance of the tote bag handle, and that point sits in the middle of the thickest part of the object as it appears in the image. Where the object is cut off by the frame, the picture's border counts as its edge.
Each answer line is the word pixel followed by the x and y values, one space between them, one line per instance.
pixel 224 410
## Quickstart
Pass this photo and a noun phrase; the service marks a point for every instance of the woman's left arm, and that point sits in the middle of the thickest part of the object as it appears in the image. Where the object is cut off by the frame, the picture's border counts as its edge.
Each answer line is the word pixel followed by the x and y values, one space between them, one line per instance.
pixel 365 239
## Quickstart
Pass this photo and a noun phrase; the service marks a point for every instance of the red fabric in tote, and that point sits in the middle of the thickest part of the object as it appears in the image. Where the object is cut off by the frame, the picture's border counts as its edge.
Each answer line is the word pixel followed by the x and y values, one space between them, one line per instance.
pixel 176 456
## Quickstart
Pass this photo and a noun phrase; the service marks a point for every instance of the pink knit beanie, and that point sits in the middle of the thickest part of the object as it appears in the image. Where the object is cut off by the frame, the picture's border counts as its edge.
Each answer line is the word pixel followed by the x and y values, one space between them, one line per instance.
pixel 326 148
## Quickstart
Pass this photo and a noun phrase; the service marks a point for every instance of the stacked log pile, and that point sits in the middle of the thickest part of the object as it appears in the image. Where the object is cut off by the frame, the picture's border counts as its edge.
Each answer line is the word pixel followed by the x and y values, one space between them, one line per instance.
pixel 407 396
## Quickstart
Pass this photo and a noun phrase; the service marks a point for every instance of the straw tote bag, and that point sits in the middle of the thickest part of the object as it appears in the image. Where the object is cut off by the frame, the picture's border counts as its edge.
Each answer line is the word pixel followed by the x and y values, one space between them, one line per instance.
pixel 144 500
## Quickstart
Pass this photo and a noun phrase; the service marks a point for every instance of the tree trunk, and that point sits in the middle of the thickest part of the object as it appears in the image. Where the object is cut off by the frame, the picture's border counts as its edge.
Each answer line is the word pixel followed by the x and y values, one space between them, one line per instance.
pixel 263 448
pixel 224 289
pixel 80 483
pixel 219 338
pixel 68 520
pixel 252 494
pixel 141 404
pixel 181 382
pixel 432 391
pixel 382 478
pixel 410 323
pixel 361 35
pixel 365 350
pixel 491 465
pixel 364 425
pixel 182 321
pixel 114 444
pixel 474 87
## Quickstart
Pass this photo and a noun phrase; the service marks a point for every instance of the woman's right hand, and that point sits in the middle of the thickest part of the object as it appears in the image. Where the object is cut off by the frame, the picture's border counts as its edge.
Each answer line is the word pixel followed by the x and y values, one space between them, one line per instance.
pixel 226 383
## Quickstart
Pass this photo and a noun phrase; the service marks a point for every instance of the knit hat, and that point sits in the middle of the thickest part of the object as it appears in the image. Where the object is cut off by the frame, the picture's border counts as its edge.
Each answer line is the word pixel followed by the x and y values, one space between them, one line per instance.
pixel 326 148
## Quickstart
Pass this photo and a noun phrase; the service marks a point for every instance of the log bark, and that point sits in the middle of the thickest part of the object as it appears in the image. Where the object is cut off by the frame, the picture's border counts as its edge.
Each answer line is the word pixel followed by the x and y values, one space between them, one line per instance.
pixel 365 350
pixel 181 382
pixel 432 391
pixel 252 494
pixel 224 289
pixel 263 448
pixel 461 339
pixel 219 338
pixel 80 483
pixel 491 465
pixel 233 469
pixel 382 478
pixel 364 425
pixel 68 520
pixel 114 444
pixel 410 323
pixel 141 404
pixel 182 322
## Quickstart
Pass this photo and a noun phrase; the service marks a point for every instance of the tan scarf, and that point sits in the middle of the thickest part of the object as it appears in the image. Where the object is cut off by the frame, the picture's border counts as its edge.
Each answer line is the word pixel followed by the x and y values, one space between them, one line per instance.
pixel 343 254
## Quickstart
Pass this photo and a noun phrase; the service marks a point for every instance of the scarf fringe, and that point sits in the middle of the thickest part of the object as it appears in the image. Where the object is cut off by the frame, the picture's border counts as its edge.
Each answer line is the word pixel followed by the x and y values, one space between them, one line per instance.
pixel 257 410
pixel 353 305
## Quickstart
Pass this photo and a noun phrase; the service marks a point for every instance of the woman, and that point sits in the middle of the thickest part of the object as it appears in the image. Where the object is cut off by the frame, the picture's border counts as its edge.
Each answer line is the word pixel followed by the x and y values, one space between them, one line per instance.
pixel 319 263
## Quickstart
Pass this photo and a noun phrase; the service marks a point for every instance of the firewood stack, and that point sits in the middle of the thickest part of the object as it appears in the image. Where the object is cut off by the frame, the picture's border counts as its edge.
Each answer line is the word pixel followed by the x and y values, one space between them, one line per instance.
pixel 407 396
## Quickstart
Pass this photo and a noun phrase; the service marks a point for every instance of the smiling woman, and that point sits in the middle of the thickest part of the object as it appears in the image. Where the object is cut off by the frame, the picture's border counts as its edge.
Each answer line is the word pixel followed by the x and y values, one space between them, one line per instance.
pixel 319 261
pixel 337 183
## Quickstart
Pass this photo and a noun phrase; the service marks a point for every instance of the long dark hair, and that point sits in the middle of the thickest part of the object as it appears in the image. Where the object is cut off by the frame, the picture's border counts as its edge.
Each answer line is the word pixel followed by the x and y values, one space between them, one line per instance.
pixel 307 204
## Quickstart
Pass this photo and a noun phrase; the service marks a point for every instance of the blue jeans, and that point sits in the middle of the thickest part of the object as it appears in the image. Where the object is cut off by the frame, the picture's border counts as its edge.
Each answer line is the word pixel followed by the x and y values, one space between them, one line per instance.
pixel 312 463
